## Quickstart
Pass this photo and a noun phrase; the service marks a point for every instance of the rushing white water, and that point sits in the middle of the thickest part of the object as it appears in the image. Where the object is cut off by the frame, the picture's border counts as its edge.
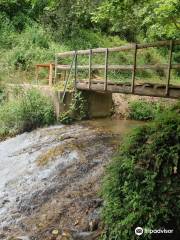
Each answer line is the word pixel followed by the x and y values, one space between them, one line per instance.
pixel 32 165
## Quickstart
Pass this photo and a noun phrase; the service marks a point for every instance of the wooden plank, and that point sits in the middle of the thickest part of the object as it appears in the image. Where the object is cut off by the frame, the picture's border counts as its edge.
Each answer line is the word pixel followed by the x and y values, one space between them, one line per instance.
pixel 143 84
pixel 144 45
pixel 90 67
pixel 121 67
pixel 142 90
pixel 121 48
pixel 50 75
pixel 169 66
pixel 157 44
pixel 75 70
pixel 55 72
pixel 106 69
pixel 96 50
pixel 158 66
pixel 97 66
pixel 45 65
pixel 134 68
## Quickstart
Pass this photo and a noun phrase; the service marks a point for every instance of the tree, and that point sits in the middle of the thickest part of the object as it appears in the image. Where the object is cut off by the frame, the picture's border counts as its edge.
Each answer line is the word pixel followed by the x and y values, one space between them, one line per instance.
pixel 68 17
pixel 119 17
pixel 161 19
pixel 131 19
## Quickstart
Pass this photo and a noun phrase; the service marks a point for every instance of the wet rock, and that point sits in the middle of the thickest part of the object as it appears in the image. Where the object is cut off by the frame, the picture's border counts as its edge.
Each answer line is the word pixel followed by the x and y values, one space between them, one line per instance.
pixel 94 224
pixel 94 220
pixel 5 201
pixel 62 193
pixel 75 235
pixel 2 236
pixel 55 232
pixel 24 238
pixel 94 203
pixel 6 229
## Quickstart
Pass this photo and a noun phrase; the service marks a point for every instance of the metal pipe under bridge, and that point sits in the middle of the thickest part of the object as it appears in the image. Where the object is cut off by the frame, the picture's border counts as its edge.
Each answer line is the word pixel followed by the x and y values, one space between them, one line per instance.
pixel 73 69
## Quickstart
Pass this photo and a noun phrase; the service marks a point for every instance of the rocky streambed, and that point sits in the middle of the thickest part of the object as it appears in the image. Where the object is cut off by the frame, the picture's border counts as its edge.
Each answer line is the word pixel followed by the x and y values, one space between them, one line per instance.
pixel 50 180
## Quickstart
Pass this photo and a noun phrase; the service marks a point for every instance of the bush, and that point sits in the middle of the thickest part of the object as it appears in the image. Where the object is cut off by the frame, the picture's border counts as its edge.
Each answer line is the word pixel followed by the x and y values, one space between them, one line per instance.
pixel 141 110
pixel 66 118
pixel 141 187
pixel 21 51
pixel 30 111
pixel 78 109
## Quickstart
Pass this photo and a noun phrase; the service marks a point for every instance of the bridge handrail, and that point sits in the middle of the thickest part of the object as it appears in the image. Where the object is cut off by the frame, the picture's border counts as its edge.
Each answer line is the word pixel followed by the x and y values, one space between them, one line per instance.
pixel 106 66
pixel 119 67
pixel 121 48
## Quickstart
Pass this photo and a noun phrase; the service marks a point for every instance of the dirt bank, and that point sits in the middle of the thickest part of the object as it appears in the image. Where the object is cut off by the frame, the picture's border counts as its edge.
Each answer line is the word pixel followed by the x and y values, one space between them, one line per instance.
pixel 121 103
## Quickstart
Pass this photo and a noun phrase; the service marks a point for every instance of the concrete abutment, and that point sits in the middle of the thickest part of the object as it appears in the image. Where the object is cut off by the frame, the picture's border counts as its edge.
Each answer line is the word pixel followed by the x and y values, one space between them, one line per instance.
pixel 99 103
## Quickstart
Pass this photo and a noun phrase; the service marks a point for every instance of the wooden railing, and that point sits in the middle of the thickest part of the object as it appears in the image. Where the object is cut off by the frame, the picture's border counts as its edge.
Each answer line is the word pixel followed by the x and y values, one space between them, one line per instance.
pixel 108 67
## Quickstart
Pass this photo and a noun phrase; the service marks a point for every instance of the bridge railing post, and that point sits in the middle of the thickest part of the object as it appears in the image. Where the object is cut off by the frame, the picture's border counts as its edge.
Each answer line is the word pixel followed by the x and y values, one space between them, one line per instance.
pixel 106 69
pixel 69 74
pixel 50 74
pixel 55 71
pixel 134 68
pixel 169 66
pixel 90 67
pixel 75 69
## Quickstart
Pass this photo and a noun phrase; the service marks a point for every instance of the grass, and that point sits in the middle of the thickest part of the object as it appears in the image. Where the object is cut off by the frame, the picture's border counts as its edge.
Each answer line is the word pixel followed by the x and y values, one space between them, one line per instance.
pixel 143 110
pixel 21 51
pixel 25 113
pixel 33 45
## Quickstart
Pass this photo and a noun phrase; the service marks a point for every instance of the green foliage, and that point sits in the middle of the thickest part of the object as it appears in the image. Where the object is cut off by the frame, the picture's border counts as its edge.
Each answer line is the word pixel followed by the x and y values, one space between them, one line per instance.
pixel 176 107
pixel 78 109
pixel 32 31
pixel 29 111
pixel 143 110
pixel 141 186
pixel 163 20
pixel 16 11
pixel 89 39
pixel 125 11
pixel 32 44
pixel 21 51
pixel 67 18
pixel 136 19
pixel 139 19
pixel 66 118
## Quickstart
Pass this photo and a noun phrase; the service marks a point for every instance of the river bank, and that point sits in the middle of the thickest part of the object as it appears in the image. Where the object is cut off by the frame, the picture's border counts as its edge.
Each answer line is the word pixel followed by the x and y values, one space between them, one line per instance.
pixel 50 179
pixel 122 103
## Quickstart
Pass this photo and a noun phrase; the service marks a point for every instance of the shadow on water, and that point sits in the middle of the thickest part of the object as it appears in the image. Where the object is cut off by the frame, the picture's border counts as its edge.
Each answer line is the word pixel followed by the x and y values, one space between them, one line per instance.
pixel 115 126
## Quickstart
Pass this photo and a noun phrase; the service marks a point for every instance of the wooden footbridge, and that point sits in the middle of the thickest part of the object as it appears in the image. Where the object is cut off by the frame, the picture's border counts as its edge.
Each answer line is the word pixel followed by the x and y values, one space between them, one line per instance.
pixel 105 84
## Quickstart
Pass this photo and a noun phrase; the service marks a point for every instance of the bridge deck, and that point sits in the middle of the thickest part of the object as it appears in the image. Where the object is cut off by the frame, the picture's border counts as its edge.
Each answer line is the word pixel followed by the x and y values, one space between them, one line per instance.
pixel 145 89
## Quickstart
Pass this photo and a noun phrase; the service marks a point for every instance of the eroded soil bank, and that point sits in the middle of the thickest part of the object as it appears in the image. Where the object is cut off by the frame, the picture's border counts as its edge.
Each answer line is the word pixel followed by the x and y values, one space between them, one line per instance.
pixel 50 179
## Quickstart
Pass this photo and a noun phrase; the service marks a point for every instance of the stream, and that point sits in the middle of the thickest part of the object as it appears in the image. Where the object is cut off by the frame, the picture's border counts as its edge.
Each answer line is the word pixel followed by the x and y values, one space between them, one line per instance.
pixel 50 179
